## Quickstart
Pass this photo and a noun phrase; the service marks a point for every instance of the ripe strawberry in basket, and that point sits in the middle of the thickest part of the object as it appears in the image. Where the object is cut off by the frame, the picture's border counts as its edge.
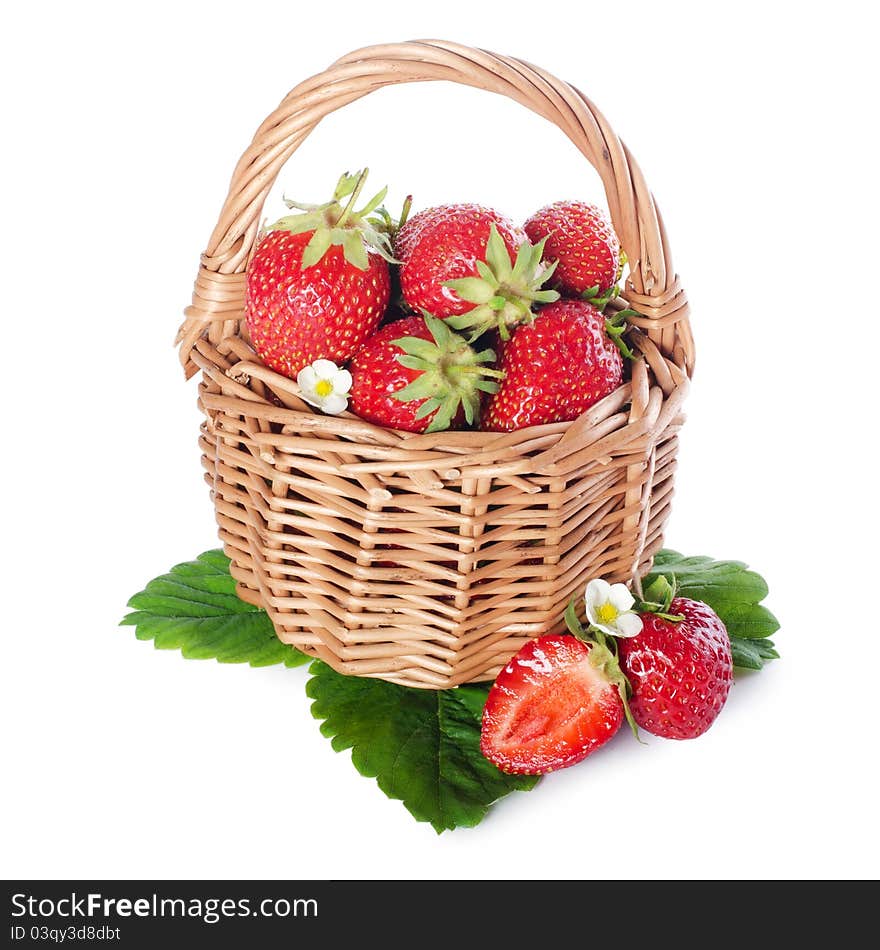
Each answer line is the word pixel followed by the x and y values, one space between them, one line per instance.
pixel 417 375
pixel 555 368
pixel 471 266
pixel 318 283
pixel 581 240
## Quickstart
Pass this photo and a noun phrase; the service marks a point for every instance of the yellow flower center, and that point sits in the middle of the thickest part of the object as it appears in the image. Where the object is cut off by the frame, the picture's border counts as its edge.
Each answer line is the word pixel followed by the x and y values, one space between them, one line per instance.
pixel 607 612
pixel 323 387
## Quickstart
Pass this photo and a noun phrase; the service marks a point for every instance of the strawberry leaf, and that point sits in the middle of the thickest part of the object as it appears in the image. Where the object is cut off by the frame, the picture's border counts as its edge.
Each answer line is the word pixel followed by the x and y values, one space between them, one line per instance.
pixel 733 592
pixel 194 609
pixel 751 654
pixel 422 746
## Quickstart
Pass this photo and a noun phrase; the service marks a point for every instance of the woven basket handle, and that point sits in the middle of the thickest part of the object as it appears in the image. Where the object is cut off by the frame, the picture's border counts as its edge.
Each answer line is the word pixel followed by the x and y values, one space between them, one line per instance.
pixel 652 287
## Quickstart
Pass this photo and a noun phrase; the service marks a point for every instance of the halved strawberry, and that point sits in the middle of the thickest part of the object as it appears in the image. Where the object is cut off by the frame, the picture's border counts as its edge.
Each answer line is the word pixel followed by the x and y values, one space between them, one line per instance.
pixel 556 701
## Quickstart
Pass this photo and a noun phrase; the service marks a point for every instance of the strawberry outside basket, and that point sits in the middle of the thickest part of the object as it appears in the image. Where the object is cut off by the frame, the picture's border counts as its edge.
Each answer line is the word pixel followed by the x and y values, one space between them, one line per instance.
pixel 428 560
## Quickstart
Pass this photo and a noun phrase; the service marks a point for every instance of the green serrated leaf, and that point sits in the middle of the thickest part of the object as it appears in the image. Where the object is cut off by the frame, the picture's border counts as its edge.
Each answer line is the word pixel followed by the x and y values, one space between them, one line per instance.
pixel 751 654
pixel 422 746
pixel 194 609
pixel 749 621
pixel 766 648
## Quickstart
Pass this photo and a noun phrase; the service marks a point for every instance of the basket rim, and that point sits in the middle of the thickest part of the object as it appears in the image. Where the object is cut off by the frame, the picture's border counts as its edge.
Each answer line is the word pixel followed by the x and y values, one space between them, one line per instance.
pixel 240 375
pixel 643 404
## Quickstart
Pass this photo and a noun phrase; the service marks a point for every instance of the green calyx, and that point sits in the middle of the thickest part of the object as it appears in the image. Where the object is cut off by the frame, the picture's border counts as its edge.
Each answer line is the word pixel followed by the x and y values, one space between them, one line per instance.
pixel 504 293
pixel 616 326
pixel 603 657
pixel 452 374
pixel 658 597
pixel 338 223
pixel 601 300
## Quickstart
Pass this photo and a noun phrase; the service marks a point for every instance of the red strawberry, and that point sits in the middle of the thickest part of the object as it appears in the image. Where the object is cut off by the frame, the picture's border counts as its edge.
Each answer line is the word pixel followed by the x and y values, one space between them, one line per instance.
pixel 417 375
pixel 317 285
pixel 680 672
pixel 553 704
pixel 555 368
pixel 580 238
pixel 445 243
pixel 470 265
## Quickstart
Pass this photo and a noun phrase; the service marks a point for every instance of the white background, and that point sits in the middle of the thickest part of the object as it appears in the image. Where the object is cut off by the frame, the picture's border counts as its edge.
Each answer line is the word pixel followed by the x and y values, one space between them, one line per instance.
pixel 122 125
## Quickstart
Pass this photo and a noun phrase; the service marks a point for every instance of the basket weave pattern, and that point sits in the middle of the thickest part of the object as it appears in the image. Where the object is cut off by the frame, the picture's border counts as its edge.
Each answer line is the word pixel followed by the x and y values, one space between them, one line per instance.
pixel 428 560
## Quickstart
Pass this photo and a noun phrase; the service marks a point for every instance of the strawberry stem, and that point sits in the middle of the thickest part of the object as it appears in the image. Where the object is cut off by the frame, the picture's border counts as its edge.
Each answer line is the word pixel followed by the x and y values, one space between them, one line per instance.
pixel 404 213
pixel 349 207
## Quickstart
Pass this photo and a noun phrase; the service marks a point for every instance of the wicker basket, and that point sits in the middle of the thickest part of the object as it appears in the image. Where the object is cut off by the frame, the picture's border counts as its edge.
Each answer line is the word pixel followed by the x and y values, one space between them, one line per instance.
pixel 428 560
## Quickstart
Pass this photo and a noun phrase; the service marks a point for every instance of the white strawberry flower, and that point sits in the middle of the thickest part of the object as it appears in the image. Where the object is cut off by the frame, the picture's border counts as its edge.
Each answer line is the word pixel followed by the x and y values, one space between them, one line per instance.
pixel 609 607
pixel 324 385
